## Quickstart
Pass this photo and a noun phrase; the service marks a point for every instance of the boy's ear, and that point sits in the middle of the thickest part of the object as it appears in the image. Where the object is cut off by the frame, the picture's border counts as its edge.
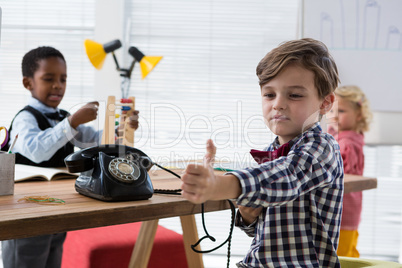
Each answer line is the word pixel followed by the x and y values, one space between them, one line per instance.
pixel 27 82
pixel 327 103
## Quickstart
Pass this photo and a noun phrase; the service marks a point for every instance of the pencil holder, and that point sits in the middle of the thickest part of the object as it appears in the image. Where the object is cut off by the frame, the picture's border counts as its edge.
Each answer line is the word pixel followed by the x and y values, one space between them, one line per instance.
pixel 7 168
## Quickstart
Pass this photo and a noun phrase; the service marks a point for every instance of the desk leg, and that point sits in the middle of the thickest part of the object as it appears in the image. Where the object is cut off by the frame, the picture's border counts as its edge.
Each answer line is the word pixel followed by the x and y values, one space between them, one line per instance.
pixel 144 243
pixel 190 236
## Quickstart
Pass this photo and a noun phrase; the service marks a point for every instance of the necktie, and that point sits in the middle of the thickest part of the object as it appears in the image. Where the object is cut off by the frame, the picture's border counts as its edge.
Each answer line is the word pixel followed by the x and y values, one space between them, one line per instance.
pixel 54 116
pixel 264 156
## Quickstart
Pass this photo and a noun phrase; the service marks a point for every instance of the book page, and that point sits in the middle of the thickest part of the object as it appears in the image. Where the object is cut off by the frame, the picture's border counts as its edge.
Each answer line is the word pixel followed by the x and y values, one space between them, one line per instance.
pixel 26 172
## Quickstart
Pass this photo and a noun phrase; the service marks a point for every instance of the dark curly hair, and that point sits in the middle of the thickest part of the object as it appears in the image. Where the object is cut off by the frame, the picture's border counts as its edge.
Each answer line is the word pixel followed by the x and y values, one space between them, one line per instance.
pixel 30 61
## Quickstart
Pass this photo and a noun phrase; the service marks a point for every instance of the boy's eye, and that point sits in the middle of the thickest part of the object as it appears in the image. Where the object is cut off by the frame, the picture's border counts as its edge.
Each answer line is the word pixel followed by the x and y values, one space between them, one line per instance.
pixel 269 95
pixel 295 96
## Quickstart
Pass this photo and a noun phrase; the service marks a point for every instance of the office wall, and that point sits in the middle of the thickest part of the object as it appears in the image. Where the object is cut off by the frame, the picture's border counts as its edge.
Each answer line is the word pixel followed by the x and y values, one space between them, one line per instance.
pixel 365 38
pixel 107 80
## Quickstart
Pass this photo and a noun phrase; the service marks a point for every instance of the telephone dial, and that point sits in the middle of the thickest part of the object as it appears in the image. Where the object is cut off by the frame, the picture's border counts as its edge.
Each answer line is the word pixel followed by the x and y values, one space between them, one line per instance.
pixel 112 173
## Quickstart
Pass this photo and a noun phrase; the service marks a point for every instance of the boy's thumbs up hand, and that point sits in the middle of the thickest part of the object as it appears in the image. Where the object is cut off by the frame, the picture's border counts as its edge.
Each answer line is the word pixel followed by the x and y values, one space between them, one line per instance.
pixel 199 181
pixel 209 158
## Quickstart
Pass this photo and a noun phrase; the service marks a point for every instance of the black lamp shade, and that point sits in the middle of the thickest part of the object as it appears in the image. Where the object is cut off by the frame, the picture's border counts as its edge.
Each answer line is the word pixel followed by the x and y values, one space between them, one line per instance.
pixel 138 55
pixel 112 46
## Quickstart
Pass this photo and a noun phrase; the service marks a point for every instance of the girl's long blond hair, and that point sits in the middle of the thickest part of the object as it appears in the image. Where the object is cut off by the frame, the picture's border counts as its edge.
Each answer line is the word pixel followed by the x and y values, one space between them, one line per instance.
pixel 357 97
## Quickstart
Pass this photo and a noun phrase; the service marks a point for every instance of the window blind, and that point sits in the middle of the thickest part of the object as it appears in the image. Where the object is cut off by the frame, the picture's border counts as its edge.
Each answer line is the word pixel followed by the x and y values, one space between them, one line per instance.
pixel 205 86
pixel 211 50
pixel 29 24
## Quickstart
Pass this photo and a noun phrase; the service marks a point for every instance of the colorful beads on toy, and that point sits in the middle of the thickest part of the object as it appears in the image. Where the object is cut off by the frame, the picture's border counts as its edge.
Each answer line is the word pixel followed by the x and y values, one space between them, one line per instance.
pixel 126 100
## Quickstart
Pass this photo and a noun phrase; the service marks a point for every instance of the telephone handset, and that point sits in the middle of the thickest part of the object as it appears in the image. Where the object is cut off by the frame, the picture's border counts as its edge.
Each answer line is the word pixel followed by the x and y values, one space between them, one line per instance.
pixel 112 173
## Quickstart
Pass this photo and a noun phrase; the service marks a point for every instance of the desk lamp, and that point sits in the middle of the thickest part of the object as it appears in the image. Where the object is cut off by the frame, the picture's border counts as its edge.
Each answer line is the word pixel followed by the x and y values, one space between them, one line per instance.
pixel 97 52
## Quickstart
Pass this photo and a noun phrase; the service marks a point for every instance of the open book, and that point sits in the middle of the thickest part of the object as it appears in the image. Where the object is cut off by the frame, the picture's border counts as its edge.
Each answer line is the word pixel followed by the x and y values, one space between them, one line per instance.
pixel 26 172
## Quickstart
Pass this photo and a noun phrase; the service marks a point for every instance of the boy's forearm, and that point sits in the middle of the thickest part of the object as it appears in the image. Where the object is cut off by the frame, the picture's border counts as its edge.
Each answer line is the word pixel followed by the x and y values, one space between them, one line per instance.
pixel 73 122
pixel 228 187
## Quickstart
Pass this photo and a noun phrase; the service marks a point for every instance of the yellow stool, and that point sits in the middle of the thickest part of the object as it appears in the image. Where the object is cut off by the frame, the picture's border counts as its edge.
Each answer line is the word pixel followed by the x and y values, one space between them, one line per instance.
pixel 348 262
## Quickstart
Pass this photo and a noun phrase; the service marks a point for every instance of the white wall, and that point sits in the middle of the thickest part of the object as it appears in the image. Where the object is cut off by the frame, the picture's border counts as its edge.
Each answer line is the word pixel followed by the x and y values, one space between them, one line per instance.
pixel 386 129
pixel 109 26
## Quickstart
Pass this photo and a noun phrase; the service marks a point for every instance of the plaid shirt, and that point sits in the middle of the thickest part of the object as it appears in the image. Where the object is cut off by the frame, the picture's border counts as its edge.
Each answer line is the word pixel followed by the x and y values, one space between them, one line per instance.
pixel 302 198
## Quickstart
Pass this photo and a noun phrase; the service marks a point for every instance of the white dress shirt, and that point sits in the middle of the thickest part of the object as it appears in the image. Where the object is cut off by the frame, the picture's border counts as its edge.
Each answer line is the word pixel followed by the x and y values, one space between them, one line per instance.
pixel 40 145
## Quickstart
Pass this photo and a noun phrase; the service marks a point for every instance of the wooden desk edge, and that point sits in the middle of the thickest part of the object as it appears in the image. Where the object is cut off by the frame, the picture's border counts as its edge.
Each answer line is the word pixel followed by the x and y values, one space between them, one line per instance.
pixel 76 221
pixel 357 183
pixel 26 227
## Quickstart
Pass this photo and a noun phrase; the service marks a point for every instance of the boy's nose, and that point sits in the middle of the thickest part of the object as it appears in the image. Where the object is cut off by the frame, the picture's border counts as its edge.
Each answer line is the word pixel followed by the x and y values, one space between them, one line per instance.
pixel 279 103
pixel 56 85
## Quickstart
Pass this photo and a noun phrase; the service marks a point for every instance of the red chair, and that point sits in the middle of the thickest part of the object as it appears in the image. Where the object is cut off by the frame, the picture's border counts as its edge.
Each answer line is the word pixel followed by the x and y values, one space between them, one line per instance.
pixel 111 247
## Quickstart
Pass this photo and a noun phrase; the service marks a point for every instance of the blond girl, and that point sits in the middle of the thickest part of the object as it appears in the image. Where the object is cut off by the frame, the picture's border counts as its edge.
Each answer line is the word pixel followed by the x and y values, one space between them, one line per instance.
pixel 351 118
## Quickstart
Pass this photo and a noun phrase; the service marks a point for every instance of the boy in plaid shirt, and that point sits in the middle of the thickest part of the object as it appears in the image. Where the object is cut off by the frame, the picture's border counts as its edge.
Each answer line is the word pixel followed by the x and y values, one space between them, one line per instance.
pixel 291 203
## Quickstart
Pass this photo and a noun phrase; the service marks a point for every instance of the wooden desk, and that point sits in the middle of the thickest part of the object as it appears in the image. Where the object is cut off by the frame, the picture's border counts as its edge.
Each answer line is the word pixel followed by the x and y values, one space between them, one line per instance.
pixel 355 183
pixel 20 219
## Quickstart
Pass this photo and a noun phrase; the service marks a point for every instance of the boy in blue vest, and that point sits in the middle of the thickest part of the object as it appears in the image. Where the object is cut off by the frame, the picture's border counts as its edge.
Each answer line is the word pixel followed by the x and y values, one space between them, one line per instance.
pixel 46 135
pixel 290 203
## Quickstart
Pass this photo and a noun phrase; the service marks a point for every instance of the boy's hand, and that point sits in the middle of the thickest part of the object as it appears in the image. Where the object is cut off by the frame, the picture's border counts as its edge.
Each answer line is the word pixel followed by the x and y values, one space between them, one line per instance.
pixel 85 114
pixel 209 157
pixel 199 181
pixel 249 214
pixel 133 119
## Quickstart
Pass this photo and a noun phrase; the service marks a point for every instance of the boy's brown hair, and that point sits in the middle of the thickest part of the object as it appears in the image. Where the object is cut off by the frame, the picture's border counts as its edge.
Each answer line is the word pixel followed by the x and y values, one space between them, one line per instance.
pixel 308 53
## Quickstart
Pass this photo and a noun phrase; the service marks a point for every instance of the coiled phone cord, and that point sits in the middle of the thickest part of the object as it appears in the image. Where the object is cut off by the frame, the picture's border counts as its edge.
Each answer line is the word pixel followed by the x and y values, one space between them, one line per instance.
pixel 165 191
pixel 193 247
pixel 228 240
pixel 168 170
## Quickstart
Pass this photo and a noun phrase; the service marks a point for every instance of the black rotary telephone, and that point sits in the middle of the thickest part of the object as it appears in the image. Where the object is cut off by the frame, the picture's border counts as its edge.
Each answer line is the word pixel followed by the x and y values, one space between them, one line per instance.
pixel 120 173
pixel 112 173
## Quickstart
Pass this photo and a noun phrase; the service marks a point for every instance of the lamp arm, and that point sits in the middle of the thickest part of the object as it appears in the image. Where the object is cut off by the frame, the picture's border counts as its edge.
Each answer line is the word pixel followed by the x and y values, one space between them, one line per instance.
pixel 115 61
pixel 131 68
pixel 125 83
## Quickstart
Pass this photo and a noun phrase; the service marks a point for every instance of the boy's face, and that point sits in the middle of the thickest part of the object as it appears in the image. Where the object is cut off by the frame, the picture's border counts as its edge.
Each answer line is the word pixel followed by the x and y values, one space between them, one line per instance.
pixel 290 102
pixel 48 83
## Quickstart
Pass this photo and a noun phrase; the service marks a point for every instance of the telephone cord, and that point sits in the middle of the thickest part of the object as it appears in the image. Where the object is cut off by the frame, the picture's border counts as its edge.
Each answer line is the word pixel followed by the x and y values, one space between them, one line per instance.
pixel 193 247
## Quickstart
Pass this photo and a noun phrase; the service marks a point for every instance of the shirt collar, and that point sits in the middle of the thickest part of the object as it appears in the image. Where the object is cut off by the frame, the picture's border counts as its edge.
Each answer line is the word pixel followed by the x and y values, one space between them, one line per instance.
pixel 35 103
pixel 316 128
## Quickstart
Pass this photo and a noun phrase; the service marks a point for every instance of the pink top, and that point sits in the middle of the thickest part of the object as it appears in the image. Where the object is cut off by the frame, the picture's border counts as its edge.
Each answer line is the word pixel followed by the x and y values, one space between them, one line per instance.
pixel 351 144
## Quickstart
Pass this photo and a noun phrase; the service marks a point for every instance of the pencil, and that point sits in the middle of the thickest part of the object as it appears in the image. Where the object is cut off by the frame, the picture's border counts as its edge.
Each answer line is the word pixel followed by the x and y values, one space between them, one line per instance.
pixel 224 169
pixel 12 145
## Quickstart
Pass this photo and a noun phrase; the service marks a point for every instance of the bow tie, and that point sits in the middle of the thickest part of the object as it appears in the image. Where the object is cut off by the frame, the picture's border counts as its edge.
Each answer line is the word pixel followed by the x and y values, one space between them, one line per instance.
pixel 55 116
pixel 264 156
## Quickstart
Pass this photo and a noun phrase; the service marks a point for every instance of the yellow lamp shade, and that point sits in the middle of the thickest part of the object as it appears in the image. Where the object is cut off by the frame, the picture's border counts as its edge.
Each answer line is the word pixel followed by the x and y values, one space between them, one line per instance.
pixel 148 63
pixel 95 53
